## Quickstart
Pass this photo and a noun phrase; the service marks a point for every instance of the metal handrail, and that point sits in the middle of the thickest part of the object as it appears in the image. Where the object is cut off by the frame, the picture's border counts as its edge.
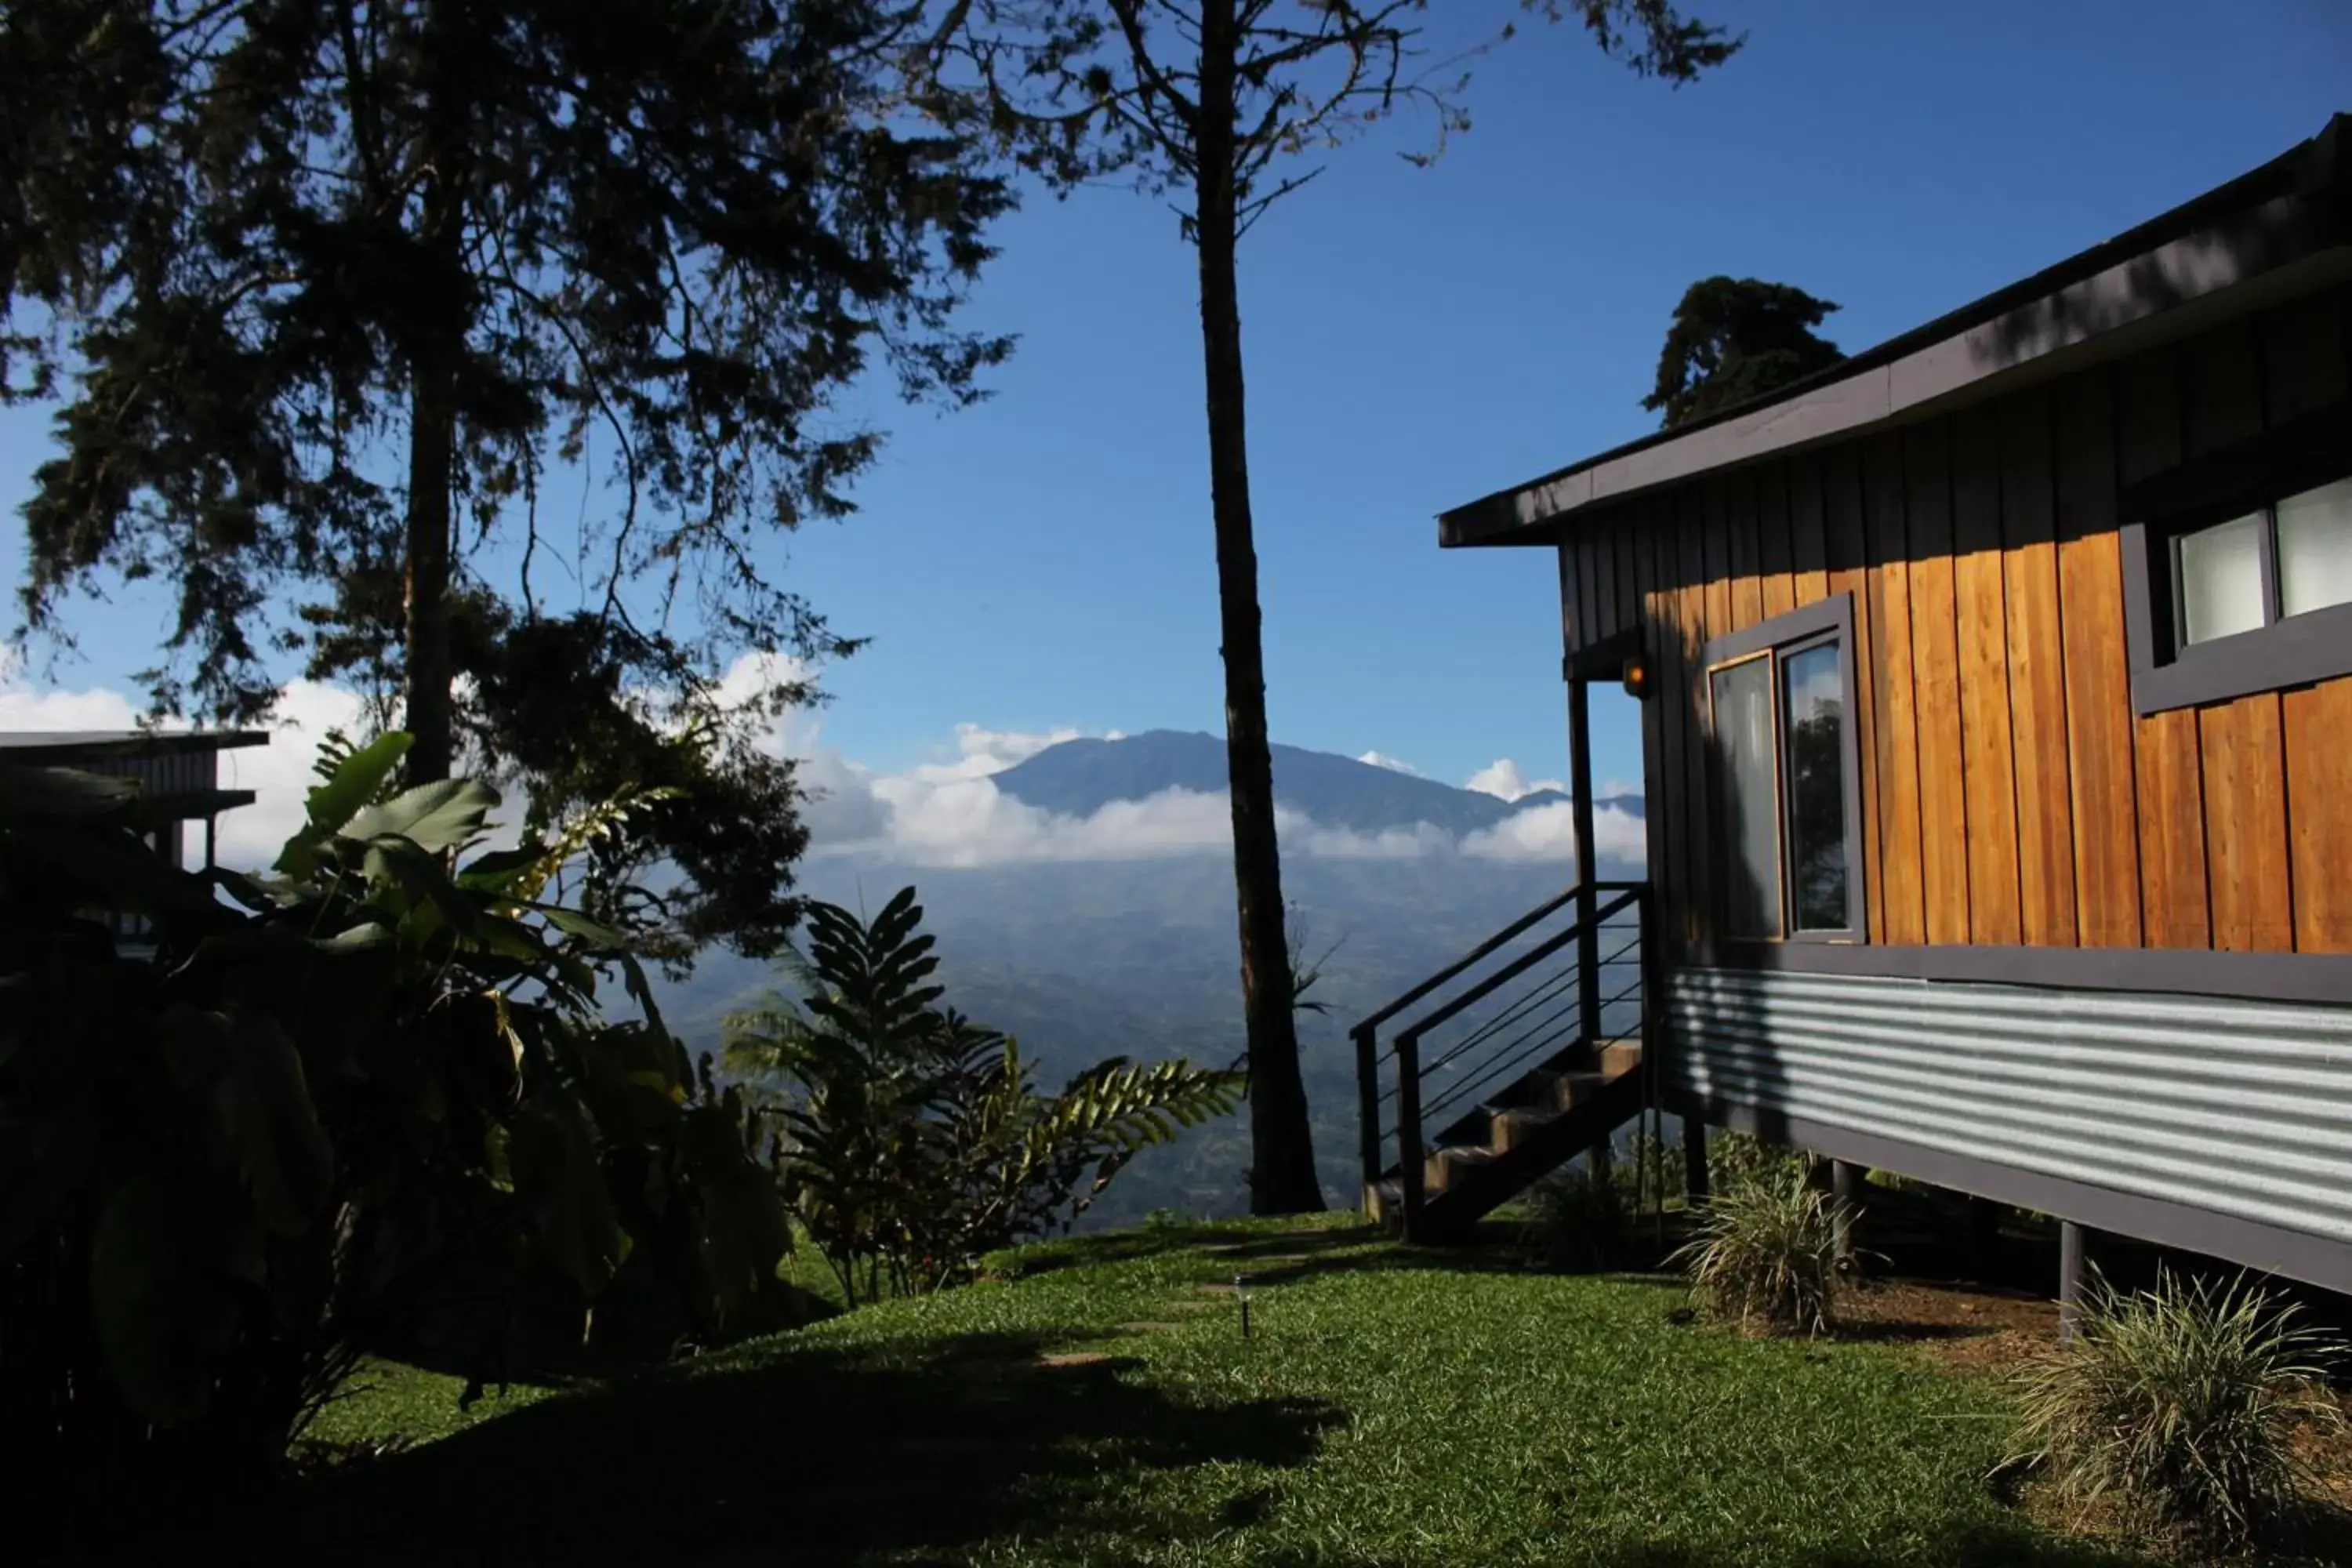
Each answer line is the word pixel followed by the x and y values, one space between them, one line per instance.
pixel 1491 1072
pixel 1533 917
pixel 1517 967
pixel 1501 1020
pixel 1544 1032
pixel 1520 1008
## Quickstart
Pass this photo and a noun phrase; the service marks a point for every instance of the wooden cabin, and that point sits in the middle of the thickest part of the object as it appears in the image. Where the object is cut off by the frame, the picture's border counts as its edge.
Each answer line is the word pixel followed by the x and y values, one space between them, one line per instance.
pixel 1997 732
pixel 178 772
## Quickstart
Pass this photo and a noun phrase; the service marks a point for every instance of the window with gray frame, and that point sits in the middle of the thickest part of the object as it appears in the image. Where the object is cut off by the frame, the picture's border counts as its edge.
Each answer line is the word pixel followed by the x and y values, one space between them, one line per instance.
pixel 2238 570
pixel 1782 776
pixel 2287 558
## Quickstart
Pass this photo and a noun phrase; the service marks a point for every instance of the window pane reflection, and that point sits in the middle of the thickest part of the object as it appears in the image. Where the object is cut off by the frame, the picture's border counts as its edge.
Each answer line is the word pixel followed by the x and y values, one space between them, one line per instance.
pixel 2314 549
pixel 1817 847
pixel 2221 580
pixel 1743 736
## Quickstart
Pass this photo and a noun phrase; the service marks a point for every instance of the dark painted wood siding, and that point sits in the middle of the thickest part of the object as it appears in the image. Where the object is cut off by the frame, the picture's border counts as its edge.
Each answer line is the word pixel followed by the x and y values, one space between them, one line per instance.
pixel 2009 793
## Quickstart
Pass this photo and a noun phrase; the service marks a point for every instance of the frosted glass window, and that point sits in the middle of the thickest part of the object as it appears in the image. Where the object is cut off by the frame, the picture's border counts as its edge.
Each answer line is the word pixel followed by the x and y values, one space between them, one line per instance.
pixel 1813 703
pixel 2314 549
pixel 1748 769
pixel 2221 580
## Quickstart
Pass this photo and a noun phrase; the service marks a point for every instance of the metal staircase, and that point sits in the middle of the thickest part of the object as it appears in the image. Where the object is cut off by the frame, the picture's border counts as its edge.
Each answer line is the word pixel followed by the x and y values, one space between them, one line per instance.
pixel 1531 1048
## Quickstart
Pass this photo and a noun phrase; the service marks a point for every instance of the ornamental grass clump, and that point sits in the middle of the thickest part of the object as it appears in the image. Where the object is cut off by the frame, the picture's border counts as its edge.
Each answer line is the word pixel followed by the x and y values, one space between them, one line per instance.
pixel 1766 1257
pixel 2181 1402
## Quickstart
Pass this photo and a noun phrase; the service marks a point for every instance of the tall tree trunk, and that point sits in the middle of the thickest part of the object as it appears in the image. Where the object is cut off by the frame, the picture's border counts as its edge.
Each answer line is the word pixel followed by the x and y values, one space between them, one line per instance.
pixel 432 411
pixel 432 447
pixel 1282 1153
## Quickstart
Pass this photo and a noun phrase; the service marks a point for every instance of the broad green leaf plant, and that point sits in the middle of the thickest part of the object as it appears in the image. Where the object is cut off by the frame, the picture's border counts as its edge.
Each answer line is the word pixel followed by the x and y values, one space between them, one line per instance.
pixel 368 1100
pixel 913 1141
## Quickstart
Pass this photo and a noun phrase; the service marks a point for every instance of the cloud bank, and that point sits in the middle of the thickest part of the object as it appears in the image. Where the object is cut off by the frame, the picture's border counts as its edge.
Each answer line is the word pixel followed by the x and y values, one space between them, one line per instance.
pixel 943 813
pixel 1502 779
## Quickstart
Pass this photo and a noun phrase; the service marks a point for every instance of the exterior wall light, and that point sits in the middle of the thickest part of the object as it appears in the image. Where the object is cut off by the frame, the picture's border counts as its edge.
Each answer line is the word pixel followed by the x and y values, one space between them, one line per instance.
pixel 1637 677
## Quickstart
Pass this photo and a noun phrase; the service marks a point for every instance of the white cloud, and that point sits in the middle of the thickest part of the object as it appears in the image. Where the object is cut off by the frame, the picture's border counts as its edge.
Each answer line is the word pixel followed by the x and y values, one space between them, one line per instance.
pixel 1617 789
pixel 1382 760
pixel 982 751
pixel 754 675
pixel 280 773
pixel 1502 779
pixel 971 822
pixel 947 813
pixel 1549 833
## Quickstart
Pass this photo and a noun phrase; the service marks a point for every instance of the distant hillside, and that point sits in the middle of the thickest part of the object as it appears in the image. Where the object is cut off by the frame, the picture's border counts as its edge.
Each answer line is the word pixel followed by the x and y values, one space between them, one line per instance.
pixel 1084 960
pixel 1079 778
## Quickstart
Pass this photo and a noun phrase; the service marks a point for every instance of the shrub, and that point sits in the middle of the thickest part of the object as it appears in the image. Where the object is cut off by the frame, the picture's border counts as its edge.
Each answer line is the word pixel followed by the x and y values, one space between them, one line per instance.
pixel 2182 1401
pixel 914 1141
pixel 1578 1221
pixel 1737 1160
pixel 370 1099
pixel 1765 1255
pixel 1654 1171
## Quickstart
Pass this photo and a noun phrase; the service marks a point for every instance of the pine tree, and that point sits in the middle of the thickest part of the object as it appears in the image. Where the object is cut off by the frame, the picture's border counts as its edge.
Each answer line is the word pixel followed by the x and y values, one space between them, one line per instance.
pixel 1734 339
pixel 325 289
pixel 1204 100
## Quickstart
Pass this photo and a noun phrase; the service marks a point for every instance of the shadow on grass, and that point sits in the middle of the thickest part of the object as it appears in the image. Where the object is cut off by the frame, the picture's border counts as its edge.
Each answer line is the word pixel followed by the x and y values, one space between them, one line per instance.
pixel 1114 1247
pixel 1495 1250
pixel 816 1454
pixel 1223 1243
pixel 1989 1546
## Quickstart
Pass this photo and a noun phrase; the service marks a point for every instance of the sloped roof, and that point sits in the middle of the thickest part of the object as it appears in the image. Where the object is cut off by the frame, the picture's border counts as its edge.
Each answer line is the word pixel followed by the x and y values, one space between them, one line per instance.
pixel 2272 232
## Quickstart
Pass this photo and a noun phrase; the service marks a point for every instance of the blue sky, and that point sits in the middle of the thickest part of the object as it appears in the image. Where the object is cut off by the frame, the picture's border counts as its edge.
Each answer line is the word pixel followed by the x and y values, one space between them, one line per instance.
pixel 1417 338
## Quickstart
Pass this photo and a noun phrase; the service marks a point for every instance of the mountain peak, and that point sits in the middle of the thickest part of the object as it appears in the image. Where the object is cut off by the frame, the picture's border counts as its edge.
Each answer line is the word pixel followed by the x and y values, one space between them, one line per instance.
pixel 1079 778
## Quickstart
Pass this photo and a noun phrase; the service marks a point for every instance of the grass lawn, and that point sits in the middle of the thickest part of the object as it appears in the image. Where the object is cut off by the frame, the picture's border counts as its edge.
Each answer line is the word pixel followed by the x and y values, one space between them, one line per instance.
pixel 1389 1407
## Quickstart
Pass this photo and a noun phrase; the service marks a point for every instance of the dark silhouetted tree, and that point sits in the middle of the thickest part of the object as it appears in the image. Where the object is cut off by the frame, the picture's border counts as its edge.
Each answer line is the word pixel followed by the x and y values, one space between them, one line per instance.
pixel 321 289
pixel 1734 339
pixel 1202 101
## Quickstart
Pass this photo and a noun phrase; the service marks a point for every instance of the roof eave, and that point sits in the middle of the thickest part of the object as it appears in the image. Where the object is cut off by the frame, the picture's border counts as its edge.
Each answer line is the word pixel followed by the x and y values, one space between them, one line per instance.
pixel 160 742
pixel 2294 210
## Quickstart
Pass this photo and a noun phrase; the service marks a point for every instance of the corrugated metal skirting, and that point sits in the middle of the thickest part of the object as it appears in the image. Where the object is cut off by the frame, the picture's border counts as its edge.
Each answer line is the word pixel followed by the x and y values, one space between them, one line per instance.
pixel 2241 1107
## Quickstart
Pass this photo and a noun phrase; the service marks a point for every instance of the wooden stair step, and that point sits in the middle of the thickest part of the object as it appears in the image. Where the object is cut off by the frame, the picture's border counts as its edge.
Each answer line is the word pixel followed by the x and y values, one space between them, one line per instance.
pixel 1615 1058
pixel 1512 1127
pixel 1558 1092
pixel 1448 1165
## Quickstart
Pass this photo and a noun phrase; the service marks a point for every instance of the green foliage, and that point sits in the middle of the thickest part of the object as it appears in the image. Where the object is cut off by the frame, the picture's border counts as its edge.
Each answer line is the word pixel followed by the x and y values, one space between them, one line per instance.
pixel 1737 1160
pixel 370 1099
pixel 1765 1255
pixel 914 1141
pixel 2184 1401
pixel 1654 1170
pixel 1392 1407
pixel 1081 90
pixel 1735 339
pixel 1210 110
pixel 319 288
pixel 1580 1219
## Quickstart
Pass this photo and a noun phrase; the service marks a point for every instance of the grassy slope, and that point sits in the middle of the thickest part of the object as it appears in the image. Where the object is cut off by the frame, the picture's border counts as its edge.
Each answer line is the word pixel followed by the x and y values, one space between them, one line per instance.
pixel 1390 1408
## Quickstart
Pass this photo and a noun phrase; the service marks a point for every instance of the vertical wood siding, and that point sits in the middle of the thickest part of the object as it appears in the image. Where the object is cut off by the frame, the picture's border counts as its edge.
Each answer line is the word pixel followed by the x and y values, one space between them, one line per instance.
pixel 2009 793
pixel 1901 915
